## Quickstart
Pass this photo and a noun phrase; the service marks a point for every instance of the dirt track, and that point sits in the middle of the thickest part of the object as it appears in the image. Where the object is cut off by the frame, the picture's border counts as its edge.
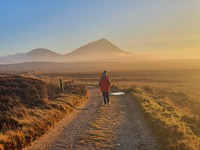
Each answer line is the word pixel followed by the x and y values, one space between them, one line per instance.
pixel 92 126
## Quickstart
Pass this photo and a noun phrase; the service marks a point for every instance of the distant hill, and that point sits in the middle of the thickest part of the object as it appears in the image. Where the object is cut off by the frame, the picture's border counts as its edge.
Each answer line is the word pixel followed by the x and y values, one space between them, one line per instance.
pixel 16 58
pixel 96 51
pixel 94 56
pixel 100 50
pixel 42 54
pixel 97 47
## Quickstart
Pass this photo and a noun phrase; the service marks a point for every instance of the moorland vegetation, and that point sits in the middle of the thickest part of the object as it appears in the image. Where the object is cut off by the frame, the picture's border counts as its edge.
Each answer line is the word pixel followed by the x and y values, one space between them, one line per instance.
pixel 170 102
pixel 29 107
pixel 171 116
pixel 168 98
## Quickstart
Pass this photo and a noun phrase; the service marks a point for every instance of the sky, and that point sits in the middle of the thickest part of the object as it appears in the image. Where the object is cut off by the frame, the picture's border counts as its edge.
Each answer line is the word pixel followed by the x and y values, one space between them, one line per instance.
pixel 168 28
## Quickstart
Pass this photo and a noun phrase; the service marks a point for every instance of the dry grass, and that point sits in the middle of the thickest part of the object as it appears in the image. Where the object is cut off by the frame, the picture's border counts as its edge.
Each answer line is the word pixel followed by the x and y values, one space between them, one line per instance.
pixel 1 147
pixel 29 107
pixel 169 98
pixel 169 118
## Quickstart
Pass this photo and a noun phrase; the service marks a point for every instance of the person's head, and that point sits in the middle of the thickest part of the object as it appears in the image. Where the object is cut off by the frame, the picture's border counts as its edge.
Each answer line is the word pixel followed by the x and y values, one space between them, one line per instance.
pixel 104 73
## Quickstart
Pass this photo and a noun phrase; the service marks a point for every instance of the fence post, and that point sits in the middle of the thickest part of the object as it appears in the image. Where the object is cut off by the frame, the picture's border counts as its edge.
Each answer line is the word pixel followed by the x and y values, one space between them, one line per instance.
pixel 61 86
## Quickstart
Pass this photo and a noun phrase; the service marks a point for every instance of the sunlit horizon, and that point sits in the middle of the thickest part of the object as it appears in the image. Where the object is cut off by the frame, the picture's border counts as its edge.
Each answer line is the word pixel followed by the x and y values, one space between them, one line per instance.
pixel 161 29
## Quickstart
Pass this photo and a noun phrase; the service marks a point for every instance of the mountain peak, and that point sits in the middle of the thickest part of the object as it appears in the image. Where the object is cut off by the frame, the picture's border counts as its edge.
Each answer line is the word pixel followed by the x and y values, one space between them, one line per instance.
pixel 103 40
pixel 99 46
pixel 101 49
pixel 39 51
pixel 42 54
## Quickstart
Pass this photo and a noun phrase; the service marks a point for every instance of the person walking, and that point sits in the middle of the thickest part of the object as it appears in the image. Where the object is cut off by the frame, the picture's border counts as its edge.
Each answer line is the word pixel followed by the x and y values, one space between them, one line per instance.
pixel 104 84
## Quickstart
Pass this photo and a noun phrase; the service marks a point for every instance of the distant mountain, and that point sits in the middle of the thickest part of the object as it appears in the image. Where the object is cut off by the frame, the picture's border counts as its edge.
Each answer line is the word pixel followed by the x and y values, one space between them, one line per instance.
pixel 97 50
pixel 100 46
pixel 42 54
pixel 101 50
pixel 16 58
pixel 39 55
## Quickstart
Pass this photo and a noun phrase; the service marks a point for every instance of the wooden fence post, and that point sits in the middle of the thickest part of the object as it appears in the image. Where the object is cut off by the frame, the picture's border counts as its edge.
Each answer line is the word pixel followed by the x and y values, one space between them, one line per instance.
pixel 61 86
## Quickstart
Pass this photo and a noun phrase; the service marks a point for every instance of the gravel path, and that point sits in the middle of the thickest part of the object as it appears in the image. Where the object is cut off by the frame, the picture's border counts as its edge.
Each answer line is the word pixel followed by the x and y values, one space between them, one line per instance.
pixel 92 126
pixel 134 133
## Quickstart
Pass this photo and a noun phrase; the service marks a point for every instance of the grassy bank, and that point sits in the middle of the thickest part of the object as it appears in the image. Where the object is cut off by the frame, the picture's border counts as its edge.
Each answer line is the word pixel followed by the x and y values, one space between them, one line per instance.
pixel 172 116
pixel 29 107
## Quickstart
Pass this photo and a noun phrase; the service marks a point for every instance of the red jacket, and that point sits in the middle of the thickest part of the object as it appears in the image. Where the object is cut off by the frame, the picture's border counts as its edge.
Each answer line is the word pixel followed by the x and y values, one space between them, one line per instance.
pixel 104 84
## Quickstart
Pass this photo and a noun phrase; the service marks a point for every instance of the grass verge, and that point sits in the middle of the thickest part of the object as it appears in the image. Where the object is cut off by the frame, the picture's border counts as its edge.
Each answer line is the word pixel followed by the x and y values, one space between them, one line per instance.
pixel 29 107
pixel 169 118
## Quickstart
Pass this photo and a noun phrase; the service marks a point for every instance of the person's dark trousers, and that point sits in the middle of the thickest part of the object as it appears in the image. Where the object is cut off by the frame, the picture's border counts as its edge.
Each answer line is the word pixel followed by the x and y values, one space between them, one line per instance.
pixel 106 97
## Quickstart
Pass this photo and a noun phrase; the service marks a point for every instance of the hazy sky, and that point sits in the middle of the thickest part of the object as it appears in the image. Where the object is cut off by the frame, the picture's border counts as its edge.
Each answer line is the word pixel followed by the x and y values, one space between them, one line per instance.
pixel 166 27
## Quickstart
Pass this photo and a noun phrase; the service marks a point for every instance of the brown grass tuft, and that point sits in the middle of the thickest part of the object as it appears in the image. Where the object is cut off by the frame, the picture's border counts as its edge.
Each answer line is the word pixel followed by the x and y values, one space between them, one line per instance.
pixel 1 147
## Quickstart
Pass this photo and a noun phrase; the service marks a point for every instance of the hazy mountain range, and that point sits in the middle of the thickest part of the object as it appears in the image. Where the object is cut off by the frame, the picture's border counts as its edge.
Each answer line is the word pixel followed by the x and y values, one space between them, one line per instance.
pixel 101 50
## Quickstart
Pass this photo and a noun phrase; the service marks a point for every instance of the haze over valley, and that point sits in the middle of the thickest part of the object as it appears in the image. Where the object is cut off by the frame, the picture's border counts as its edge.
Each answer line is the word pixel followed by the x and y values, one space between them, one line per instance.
pixel 101 50
pixel 95 55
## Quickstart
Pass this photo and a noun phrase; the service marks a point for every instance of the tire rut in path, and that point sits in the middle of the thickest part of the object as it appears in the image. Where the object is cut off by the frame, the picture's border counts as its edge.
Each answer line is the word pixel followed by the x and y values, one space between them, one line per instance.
pixel 133 132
